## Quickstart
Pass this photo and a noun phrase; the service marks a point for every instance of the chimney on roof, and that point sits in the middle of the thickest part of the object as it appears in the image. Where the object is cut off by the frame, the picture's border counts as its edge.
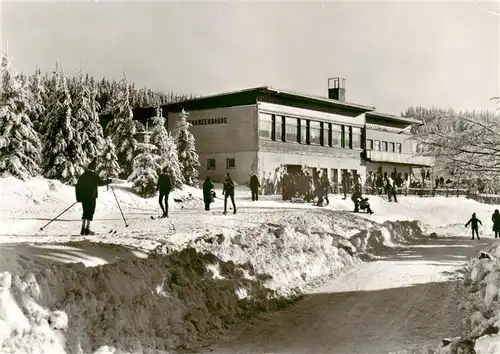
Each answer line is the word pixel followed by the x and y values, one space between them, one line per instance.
pixel 336 88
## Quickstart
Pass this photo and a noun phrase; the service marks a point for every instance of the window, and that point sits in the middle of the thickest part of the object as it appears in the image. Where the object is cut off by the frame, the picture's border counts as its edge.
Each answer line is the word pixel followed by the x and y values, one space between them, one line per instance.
pixel 329 134
pixel 391 147
pixel 278 128
pixel 211 164
pixel 292 129
pixel 265 126
pixel 376 145
pixel 369 144
pixel 384 145
pixel 336 135
pixel 315 133
pixel 398 148
pixel 346 137
pixel 325 134
pixel 303 131
pixel 230 163
pixel 356 138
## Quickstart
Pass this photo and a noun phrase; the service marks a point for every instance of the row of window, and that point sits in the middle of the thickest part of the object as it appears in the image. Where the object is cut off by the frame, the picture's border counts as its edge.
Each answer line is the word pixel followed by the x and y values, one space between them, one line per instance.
pixel 212 164
pixel 388 146
pixel 308 132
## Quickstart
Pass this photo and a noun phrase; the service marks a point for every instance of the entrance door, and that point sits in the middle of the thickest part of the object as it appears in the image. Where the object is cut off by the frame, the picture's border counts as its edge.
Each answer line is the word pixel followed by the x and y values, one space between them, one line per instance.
pixel 291 169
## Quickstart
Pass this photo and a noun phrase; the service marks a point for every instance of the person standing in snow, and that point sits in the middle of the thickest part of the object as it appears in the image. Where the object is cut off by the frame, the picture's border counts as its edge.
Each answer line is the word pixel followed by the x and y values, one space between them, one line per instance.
pixel 474 223
pixel 346 177
pixel 164 186
pixel 254 187
pixel 496 223
pixel 356 198
pixel 86 193
pixel 207 192
pixel 228 191
pixel 394 191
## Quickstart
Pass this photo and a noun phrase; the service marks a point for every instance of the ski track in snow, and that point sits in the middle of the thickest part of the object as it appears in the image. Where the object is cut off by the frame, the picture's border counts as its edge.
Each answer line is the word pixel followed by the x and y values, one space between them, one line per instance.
pixel 404 303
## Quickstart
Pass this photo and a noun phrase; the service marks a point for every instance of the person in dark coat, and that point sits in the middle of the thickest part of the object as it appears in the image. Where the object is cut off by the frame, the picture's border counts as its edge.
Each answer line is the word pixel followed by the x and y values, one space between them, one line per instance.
pixel 346 183
pixel 228 191
pixel 207 192
pixel 356 198
pixel 365 205
pixel 474 223
pixel 496 223
pixel 86 193
pixel 164 186
pixel 254 187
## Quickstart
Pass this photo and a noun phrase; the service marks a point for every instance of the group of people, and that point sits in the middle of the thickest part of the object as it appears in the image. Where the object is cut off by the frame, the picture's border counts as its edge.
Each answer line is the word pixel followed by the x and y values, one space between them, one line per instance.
pixel 86 190
pixel 227 191
pixel 311 187
pixel 474 223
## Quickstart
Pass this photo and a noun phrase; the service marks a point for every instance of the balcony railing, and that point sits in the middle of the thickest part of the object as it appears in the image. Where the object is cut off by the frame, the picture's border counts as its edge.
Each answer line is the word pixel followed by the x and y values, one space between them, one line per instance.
pixel 394 157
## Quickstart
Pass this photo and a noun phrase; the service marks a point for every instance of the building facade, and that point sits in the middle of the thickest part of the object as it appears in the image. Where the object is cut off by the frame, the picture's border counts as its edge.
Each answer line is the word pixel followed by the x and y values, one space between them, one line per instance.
pixel 265 131
pixel 390 145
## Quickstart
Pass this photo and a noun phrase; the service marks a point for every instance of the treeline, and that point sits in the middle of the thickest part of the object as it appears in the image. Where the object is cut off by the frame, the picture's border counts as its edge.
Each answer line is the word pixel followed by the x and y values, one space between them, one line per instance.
pixel 49 125
pixel 464 143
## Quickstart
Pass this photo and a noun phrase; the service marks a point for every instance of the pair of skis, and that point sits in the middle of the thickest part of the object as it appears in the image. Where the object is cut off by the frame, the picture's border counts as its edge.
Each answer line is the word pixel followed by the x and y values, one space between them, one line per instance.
pixel 172 226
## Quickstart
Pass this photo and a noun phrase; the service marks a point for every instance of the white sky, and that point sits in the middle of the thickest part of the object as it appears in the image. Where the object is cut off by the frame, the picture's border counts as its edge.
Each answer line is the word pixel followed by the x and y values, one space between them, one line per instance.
pixel 393 54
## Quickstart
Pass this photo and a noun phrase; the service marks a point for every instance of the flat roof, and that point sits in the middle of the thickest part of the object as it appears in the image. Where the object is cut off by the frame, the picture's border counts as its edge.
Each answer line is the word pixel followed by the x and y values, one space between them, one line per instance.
pixel 269 90
pixel 393 118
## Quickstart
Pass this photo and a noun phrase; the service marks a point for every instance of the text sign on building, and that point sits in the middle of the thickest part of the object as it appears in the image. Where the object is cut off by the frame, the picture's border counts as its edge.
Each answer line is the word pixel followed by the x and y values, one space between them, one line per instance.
pixel 209 121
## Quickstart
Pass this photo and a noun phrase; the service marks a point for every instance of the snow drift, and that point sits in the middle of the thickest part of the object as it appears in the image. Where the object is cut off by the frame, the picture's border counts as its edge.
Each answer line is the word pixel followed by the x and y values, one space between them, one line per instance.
pixel 159 303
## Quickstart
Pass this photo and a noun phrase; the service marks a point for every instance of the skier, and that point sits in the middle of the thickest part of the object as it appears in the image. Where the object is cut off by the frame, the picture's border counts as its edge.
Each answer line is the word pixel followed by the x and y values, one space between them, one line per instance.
pixel 496 223
pixel 207 192
pixel 228 191
pixel 164 186
pixel 254 187
pixel 86 193
pixel 474 221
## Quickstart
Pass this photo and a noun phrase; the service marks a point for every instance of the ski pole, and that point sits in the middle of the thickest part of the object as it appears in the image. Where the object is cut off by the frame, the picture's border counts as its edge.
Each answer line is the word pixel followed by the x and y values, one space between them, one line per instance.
pixel 119 207
pixel 44 226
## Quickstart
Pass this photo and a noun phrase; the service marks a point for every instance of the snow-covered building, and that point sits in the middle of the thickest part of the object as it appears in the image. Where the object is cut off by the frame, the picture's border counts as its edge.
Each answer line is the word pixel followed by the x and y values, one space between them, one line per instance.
pixel 262 129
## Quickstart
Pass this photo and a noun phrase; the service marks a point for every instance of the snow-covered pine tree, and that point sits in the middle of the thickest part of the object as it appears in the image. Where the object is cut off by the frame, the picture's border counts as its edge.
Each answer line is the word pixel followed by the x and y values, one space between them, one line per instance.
pixel 144 176
pixel 38 92
pixel 19 142
pixel 107 162
pixel 186 151
pixel 63 158
pixel 166 149
pixel 122 129
pixel 87 119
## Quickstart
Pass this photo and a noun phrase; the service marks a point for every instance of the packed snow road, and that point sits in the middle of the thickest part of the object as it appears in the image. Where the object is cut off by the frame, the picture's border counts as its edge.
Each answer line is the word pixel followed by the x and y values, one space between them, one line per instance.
pixel 404 303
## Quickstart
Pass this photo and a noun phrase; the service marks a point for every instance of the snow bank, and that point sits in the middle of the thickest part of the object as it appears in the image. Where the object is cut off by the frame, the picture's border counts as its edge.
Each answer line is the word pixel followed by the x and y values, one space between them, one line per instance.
pixel 159 303
pixel 299 252
pixel 482 282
